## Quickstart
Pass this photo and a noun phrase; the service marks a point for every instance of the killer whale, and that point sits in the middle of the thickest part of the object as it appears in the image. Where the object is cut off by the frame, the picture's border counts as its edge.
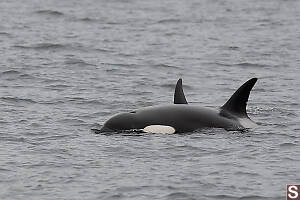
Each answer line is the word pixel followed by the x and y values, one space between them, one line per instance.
pixel 181 117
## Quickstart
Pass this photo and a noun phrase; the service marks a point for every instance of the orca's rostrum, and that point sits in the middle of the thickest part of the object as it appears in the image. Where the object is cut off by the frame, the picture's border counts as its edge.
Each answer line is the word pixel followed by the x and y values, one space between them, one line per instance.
pixel 181 117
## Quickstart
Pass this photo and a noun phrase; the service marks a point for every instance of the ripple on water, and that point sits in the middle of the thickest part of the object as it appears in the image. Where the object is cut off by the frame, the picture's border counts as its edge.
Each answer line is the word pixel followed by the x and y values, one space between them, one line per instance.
pixel 42 46
pixel 5 34
pixel 17 100
pixel 180 195
pixel 243 64
pixel 12 138
pixel 87 19
pixel 15 74
pixel 10 72
pixel 249 64
pixel 58 87
pixel 4 170
pixel 76 61
pixel 168 21
pixel 166 66
pixel 50 13
pixel 231 197
pixel 287 145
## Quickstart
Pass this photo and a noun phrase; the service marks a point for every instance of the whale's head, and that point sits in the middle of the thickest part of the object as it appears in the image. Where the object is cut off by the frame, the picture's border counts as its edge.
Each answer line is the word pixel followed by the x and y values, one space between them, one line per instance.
pixel 123 121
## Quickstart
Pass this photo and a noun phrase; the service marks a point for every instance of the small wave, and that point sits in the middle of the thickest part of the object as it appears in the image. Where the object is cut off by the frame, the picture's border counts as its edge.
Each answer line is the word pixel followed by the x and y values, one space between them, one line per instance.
pixel 179 195
pixel 104 50
pixel 247 64
pixel 119 65
pixel 26 76
pixel 14 74
pixel 114 23
pixel 233 48
pixel 166 66
pixel 51 137
pixel 221 196
pixel 9 138
pixel 58 86
pixel 94 102
pixel 42 46
pixel 74 61
pixel 49 12
pixel 220 64
pixel 230 197
pixel 125 54
pixel 53 81
pixel 116 196
pixel 170 34
pixel 165 21
pixel 17 100
pixel 242 64
pixel 5 34
pixel 87 19
pixel 252 174
pixel 11 72
pixel 83 101
pixel 184 147
pixel 255 197
pixel 5 170
pixel 287 145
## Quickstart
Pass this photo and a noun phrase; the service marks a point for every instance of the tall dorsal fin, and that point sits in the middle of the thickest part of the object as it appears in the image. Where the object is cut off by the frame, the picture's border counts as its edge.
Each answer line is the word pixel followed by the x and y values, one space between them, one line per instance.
pixel 237 103
pixel 179 97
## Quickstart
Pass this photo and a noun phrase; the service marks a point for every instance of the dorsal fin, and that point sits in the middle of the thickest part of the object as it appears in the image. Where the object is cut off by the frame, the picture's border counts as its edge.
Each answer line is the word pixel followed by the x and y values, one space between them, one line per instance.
pixel 179 97
pixel 237 103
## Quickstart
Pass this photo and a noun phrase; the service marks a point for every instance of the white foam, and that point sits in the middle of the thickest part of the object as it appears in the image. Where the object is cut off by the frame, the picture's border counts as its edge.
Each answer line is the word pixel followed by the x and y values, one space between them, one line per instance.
pixel 159 129
pixel 247 123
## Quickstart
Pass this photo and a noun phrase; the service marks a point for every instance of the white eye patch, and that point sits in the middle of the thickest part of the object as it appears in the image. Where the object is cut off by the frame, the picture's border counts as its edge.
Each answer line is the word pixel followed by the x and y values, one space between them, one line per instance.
pixel 159 129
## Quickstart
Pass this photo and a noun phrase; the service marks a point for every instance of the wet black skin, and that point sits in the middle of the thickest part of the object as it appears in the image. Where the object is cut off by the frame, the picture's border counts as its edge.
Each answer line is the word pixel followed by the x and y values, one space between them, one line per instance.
pixel 182 117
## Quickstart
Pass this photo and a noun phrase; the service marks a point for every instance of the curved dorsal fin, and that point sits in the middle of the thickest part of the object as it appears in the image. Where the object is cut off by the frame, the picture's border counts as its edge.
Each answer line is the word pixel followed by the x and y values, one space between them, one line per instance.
pixel 179 97
pixel 238 101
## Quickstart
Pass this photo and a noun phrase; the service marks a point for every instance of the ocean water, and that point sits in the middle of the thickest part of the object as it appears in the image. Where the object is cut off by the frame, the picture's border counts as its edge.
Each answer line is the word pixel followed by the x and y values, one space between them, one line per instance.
pixel 68 66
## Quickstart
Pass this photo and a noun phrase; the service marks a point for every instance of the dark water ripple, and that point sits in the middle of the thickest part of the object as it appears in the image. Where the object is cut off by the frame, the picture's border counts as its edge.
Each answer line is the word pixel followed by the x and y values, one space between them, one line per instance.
pixel 52 13
pixel 14 100
pixel 4 34
pixel 10 73
pixel 41 46
pixel 67 66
